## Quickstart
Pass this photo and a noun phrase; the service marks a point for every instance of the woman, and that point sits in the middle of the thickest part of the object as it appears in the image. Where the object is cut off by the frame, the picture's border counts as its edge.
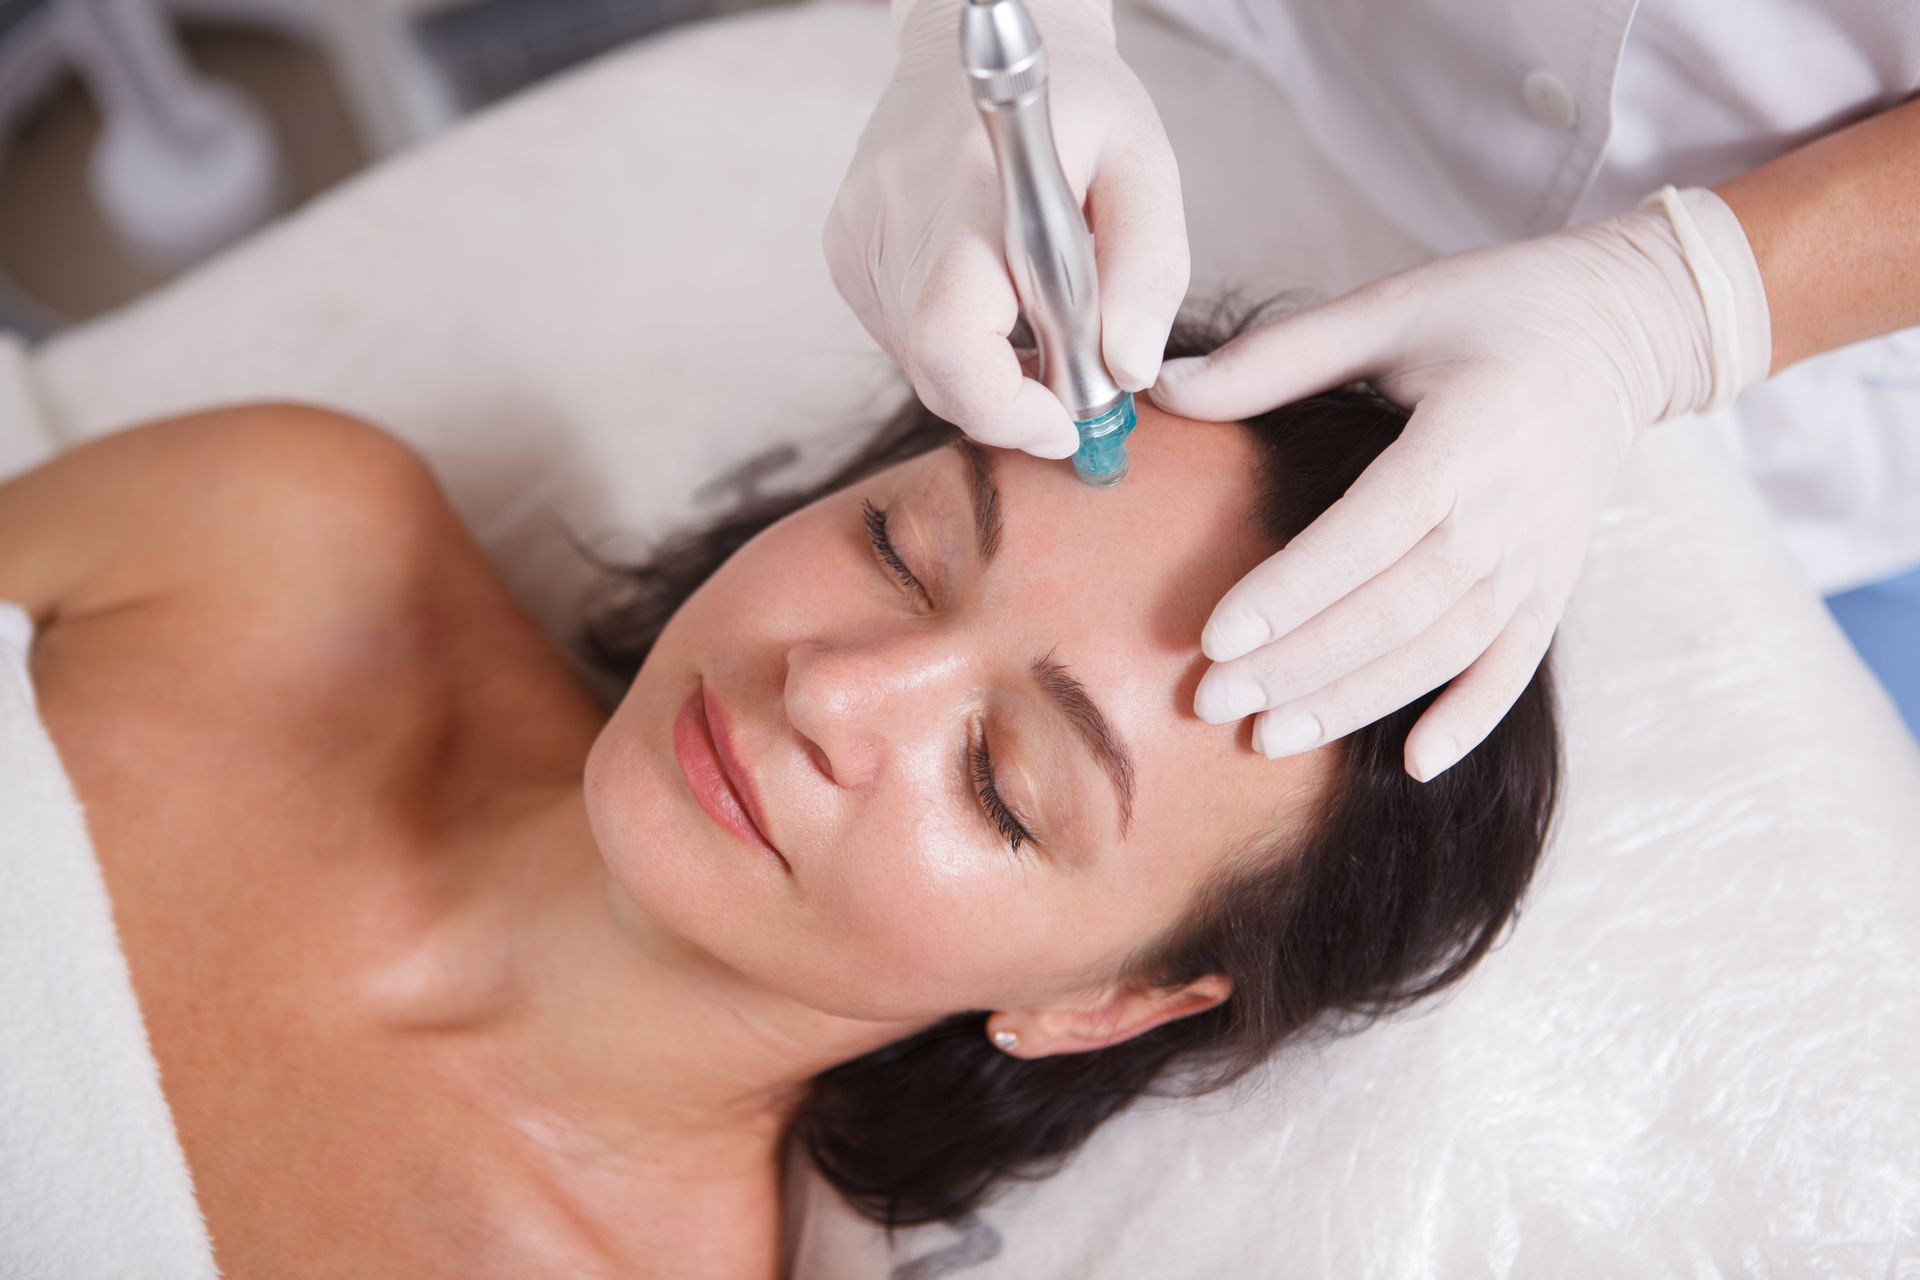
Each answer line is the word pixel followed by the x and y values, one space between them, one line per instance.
pixel 902 843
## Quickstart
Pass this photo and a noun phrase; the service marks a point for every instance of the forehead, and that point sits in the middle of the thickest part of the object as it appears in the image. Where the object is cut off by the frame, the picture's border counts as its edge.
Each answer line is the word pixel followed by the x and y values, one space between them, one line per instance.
pixel 1116 584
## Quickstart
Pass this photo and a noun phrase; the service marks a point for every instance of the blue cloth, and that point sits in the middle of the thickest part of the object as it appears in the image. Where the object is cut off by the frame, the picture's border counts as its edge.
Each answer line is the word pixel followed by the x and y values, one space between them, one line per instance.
pixel 1883 621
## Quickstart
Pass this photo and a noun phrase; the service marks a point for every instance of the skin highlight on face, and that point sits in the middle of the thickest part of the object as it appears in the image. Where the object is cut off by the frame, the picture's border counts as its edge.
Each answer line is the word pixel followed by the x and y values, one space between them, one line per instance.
pixel 961 695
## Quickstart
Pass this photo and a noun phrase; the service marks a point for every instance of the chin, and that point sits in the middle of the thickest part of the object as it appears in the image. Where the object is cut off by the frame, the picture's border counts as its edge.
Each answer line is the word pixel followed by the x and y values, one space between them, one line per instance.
pixel 711 898
pixel 632 813
pixel 663 854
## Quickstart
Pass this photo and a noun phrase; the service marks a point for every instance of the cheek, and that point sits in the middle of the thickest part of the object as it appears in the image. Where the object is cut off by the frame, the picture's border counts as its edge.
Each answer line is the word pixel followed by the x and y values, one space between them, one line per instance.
pixel 909 906
pixel 933 922
pixel 804 567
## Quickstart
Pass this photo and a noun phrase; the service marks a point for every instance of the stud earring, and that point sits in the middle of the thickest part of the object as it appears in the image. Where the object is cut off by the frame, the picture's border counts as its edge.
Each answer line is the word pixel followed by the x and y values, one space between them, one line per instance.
pixel 1004 1039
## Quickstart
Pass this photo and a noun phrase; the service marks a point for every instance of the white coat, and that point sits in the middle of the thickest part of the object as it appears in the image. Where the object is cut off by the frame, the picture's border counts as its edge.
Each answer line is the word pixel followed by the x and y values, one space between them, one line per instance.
pixel 1476 121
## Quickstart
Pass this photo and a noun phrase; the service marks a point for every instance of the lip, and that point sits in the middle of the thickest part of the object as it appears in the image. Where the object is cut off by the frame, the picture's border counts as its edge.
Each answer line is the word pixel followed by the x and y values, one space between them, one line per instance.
pixel 702 742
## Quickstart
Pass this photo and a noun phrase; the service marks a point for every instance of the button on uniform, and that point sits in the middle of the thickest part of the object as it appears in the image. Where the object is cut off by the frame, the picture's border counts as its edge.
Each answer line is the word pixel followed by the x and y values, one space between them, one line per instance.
pixel 1549 99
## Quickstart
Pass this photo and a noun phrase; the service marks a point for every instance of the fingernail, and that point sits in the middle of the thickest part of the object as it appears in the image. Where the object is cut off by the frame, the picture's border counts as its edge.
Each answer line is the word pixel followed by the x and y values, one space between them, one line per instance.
pixel 1227 700
pixel 1172 374
pixel 1057 448
pixel 1433 756
pixel 1136 356
pixel 1288 735
pixel 1175 370
pixel 1229 636
pixel 1050 440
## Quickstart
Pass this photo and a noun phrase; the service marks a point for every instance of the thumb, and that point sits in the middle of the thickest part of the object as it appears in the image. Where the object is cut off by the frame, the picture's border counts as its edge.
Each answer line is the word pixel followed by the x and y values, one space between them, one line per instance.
pixel 1140 254
pixel 962 366
pixel 1295 356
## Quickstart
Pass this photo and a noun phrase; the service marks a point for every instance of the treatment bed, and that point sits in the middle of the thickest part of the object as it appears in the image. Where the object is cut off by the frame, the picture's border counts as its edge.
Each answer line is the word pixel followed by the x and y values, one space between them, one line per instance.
pixel 604 307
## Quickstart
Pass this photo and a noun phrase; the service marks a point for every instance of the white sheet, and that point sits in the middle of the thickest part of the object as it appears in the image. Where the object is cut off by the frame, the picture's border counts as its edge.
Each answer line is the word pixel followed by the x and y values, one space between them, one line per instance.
pixel 93 1185
pixel 1693 1058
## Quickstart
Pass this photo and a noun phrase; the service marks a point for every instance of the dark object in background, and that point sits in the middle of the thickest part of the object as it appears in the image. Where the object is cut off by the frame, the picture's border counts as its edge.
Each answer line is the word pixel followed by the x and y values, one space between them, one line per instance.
pixel 14 12
pixel 489 48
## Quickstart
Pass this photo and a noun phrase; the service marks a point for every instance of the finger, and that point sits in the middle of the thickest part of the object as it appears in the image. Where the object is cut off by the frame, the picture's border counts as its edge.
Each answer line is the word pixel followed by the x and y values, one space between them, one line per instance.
pixel 851 261
pixel 1140 254
pixel 962 365
pixel 1297 355
pixel 1382 614
pixel 1461 718
pixel 1396 502
pixel 1384 685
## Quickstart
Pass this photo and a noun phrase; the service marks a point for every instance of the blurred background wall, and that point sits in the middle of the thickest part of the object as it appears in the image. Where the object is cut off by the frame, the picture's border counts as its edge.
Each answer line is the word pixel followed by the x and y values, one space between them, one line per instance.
pixel 139 136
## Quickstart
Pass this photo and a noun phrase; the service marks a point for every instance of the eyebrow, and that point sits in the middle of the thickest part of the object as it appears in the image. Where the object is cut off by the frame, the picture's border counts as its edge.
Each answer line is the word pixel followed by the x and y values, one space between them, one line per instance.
pixel 986 498
pixel 1059 684
pixel 1095 730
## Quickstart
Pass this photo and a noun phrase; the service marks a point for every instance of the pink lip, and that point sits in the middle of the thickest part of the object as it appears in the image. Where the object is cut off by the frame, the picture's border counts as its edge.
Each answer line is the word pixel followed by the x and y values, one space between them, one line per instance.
pixel 703 745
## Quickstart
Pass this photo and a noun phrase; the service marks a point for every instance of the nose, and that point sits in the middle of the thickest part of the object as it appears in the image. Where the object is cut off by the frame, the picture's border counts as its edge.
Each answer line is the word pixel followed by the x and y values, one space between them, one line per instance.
pixel 861 705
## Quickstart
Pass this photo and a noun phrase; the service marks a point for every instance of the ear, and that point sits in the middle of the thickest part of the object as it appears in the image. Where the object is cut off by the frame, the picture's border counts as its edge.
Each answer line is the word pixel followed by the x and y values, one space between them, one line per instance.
pixel 1110 1017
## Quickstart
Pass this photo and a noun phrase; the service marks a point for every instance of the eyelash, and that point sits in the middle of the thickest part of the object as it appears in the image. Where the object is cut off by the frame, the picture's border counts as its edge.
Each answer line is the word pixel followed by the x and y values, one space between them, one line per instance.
pixel 882 538
pixel 1010 828
pixel 979 758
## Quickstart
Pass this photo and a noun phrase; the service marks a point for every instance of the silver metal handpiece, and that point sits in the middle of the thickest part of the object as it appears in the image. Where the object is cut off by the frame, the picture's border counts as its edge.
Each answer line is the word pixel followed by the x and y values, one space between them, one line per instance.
pixel 1049 248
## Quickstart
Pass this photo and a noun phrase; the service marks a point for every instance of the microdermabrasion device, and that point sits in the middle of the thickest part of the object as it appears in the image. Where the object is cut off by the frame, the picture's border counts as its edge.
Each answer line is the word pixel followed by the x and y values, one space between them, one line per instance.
pixel 1049 249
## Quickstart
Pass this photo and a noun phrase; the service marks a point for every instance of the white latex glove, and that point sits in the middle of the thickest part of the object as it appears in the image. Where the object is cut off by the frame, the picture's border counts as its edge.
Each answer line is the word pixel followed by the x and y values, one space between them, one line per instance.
pixel 1531 368
pixel 914 239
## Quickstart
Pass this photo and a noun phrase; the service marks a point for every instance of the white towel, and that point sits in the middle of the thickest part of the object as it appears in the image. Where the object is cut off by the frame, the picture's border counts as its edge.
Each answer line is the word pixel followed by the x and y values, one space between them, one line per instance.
pixel 93 1184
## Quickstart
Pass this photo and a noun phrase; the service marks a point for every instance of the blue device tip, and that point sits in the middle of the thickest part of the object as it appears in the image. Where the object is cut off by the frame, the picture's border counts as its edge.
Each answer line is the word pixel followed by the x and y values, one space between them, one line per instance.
pixel 1102 457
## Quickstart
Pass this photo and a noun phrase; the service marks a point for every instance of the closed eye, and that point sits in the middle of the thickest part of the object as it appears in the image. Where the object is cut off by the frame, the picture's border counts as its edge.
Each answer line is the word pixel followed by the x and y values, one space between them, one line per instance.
pixel 881 537
pixel 979 758
pixel 987 791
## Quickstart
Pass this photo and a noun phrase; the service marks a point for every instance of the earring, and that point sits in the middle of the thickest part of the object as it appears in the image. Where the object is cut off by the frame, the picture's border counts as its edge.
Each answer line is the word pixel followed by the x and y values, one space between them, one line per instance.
pixel 1004 1039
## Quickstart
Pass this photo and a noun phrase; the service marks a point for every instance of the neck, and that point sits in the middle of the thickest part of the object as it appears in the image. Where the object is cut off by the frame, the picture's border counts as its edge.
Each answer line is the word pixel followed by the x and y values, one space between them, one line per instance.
pixel 611 1049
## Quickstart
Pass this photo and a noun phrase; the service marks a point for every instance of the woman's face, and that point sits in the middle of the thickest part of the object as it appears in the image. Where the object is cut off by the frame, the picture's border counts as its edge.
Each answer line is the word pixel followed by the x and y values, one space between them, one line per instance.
pixel 957 700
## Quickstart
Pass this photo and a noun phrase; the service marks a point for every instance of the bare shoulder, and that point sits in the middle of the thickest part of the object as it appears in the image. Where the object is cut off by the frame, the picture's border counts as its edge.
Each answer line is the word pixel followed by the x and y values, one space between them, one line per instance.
pixel 218 500
pixel 288 562
pixel 290 565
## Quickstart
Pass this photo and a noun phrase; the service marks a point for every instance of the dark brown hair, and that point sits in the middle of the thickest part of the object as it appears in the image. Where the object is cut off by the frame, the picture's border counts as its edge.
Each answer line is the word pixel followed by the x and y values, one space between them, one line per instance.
pixel 1394 890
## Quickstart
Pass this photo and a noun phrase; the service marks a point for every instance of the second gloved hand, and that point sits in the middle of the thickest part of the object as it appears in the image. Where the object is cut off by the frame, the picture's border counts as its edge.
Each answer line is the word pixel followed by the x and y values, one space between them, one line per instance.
pixel 914 240
pixel 1530 368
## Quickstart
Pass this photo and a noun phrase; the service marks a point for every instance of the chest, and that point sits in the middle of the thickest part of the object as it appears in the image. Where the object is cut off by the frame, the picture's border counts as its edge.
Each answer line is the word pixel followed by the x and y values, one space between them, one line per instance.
pixel 255 807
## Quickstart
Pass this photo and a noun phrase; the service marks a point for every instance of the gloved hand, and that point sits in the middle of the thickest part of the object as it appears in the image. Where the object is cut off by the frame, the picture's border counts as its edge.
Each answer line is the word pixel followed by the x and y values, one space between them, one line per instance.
pixel 1530 368
pixel 914 239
